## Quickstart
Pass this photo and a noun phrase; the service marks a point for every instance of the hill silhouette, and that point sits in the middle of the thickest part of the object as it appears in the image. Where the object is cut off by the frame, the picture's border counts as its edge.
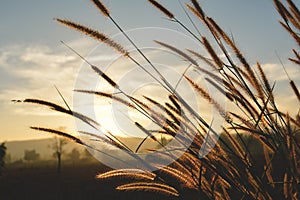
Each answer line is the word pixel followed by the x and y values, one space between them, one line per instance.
pixel 44 146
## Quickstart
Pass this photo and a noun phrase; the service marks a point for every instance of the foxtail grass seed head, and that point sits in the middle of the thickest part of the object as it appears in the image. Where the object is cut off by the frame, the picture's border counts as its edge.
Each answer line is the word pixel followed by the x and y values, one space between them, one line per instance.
pixel 218 32
pixel 212 53
pixel 96 35
pixel 145 131
pixel 227 94
pixel 103 9
pixel 175 102
pixel 149 186
pixel 162 9
pixel 265 81
pixel 58 108
pixel 297 59
pixel 296 54
pixel 206 96
pixel 280 9
pixel 180 176
pixel 195 12
pixel 295 89
pixel 108 95
pixel 104 76
pixel 58 133
pixel 294 10
pixel 291 32
pixel 287 16
pixel 135 174
pixel 198 8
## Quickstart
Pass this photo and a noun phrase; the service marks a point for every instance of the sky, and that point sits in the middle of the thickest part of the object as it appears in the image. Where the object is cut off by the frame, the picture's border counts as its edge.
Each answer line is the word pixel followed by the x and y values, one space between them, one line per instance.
pixel 33 60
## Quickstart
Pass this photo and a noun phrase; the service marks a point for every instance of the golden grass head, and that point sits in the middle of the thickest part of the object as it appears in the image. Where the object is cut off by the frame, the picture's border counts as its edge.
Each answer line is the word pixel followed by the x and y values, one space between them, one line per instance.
pixel 206 96
pixel 103 9
pixel 212 53
pixel 280 9
pixel 150 186
pixel 104 76
pixel 297 59
pixel 94 34
pixel 295 89
pixel 58 133
pixel 198 8
pixel 136 174
pixel 162 8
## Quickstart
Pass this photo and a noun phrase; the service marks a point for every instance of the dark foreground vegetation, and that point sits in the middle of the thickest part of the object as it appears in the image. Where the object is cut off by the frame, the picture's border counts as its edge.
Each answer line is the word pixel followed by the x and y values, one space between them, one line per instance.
pixel 41 181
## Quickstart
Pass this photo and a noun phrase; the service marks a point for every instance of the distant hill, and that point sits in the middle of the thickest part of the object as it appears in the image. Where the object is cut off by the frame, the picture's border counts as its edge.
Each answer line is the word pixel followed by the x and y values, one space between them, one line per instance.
pixel 44 146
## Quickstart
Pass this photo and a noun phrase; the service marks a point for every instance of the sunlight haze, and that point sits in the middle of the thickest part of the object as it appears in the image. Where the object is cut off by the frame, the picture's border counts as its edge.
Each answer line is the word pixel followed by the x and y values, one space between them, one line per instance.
pixel 33 60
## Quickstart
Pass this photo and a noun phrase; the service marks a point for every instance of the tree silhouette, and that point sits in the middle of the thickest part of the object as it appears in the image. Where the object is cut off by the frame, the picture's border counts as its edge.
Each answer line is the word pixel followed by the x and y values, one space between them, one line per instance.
pixel 58 146
pixel 2 156
pixel 31 155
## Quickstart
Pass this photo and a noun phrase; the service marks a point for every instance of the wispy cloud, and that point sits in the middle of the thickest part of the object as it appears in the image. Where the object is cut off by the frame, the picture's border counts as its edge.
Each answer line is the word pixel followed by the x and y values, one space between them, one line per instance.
pixel 275 71
pixel 32 71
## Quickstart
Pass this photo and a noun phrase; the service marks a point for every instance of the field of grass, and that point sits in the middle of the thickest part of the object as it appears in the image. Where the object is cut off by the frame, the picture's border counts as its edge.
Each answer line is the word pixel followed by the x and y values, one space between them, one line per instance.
pixel 43 182
pixel 40 180
pixel 76 182
pixel 257 156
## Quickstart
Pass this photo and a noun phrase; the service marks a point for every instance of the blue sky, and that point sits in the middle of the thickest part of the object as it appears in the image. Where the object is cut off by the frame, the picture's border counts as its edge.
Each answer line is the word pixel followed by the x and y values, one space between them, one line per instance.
pixel 32 59
pixel 30 22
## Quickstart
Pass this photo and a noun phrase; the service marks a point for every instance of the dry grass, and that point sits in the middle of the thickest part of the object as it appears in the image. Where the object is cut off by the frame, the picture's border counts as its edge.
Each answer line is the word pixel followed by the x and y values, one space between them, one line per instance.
pixel 230 170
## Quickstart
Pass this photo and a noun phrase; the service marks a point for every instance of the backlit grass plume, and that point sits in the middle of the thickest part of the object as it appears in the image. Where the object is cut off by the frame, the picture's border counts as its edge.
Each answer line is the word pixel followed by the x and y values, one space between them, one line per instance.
pixel 162 8
pixel 94 34
pixel 103 9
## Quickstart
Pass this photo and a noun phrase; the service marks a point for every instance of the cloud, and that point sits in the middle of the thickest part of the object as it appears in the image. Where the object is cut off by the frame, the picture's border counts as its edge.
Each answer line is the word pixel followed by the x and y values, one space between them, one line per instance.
pixel 275 71
pixel 32 71
pixel 38 55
